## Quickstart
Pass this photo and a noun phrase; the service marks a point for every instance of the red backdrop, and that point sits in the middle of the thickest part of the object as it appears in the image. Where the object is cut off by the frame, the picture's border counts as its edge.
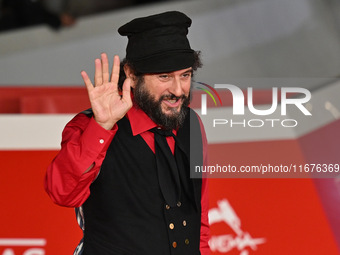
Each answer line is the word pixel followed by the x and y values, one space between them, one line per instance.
pixel 248 216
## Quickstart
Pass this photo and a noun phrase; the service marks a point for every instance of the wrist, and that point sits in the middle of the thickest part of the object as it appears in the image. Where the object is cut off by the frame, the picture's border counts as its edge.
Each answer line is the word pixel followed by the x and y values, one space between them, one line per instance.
pixel 106 125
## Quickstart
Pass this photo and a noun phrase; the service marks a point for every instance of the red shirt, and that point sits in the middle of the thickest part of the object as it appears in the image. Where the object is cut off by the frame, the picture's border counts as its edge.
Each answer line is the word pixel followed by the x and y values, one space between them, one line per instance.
pixel 83 148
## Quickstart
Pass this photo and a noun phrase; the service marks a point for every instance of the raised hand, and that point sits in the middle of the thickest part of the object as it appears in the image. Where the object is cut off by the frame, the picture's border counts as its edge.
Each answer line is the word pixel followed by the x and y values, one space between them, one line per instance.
pixel 107 104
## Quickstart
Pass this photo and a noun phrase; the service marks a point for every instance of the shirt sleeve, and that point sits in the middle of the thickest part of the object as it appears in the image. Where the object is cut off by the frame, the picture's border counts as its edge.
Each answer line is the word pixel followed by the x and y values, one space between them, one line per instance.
pixel 83 148
pixel 205 228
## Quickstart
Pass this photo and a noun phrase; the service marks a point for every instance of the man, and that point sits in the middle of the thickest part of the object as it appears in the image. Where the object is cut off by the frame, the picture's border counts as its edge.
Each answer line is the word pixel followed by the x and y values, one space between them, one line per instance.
pixel 125 164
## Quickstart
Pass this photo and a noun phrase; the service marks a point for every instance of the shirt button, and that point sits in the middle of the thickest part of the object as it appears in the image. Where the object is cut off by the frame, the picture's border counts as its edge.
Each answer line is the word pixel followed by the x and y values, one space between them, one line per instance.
pixel 101 141
pixel 167 207
pixel 171 226
pixel 179 203
pixel 186 241
pixel 174 244
pixel 184 223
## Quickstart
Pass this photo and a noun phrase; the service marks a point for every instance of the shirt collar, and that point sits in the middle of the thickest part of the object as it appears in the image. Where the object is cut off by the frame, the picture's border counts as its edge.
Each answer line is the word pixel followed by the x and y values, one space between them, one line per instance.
pixel 139 120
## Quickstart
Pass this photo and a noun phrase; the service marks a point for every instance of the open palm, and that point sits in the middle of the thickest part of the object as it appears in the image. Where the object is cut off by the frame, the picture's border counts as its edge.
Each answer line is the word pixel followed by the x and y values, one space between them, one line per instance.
pixel 108 105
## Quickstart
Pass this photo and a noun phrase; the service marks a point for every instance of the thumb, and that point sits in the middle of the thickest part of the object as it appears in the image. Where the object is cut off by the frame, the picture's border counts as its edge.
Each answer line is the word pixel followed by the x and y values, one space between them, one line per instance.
pixel 126 90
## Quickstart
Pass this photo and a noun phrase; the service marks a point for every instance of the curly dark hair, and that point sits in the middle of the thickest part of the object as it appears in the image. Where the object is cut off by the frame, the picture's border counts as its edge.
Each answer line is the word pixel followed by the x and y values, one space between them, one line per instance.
pixel 197 64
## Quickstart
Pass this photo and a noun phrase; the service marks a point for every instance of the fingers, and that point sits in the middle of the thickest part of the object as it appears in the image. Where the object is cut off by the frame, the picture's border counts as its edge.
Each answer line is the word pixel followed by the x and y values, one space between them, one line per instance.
pixel 102 73
pixel 105 65
pixel 98 74
pixel 87 81
pixel 115 70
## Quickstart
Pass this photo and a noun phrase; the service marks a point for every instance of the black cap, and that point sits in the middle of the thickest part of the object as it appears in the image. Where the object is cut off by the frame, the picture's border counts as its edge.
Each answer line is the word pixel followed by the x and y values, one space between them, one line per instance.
pixel 159 43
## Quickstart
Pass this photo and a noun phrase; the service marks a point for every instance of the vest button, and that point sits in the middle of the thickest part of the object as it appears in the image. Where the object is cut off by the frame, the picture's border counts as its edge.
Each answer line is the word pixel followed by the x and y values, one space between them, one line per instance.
pixel 179 203
pixel 186 241
pixel 174 244
pixel 167 207
pixel 184 223
pixel 171 226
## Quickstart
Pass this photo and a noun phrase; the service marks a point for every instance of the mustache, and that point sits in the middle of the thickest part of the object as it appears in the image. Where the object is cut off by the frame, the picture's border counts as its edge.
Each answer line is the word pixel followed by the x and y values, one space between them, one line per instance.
pixel 172 97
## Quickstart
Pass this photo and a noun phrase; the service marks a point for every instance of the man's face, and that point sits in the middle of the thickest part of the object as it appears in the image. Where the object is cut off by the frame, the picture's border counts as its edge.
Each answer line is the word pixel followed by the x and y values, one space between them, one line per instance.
pixel 163 95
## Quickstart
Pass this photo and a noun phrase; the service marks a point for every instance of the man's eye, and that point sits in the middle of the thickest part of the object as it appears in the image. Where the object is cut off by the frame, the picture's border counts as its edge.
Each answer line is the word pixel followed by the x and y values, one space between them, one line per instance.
pixel 186 75
pixel 163 76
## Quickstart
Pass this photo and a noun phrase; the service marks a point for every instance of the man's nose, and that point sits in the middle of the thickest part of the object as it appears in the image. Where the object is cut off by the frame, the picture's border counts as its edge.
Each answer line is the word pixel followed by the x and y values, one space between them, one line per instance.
pixel 176 87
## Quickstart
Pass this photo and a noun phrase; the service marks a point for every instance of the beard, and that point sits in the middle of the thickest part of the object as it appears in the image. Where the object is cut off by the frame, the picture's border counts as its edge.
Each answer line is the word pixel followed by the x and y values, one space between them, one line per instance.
pixel 153 108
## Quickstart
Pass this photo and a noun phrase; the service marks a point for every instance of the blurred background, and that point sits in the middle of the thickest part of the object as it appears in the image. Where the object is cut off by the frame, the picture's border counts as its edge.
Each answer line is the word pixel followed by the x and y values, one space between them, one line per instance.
pixel 44 45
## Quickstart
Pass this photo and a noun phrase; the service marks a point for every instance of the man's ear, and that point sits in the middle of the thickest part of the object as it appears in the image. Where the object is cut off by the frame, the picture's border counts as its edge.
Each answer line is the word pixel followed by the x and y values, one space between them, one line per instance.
pixel 129 74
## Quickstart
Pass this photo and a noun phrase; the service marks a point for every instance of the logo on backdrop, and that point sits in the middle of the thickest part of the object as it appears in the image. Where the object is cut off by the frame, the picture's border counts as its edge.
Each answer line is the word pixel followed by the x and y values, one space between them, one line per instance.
pixel 240 240
pixel 22 246
pixel 206 88
pixel 302 96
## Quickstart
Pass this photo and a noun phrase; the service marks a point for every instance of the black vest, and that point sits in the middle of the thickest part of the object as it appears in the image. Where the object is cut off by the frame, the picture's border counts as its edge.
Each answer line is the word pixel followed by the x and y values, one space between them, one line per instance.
pixel 126 212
